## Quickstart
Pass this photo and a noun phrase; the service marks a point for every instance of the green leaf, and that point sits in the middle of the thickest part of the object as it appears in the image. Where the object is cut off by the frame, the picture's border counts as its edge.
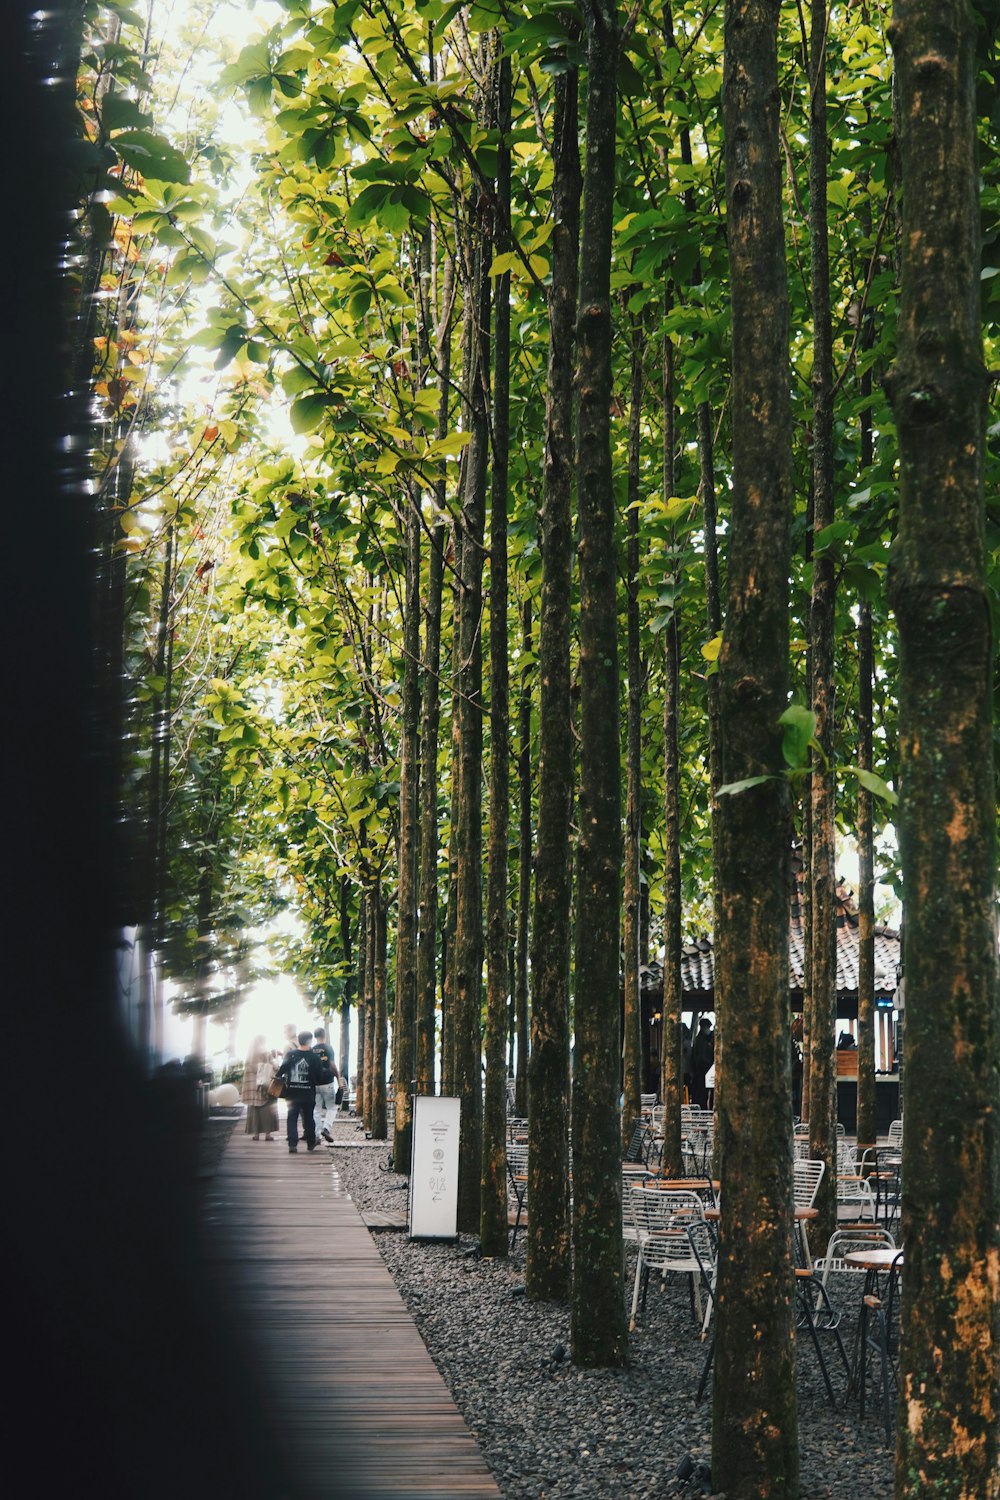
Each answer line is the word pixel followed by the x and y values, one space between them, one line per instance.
pixel 839 531
pixel 873 784
pixel 308 412
pixel 118 112
pixel 150 154
pixel 233 340
pixel 202 242
pixel 447 447
pixel 733 787
pixel 367 204
pixel 799 725
pixel 503 264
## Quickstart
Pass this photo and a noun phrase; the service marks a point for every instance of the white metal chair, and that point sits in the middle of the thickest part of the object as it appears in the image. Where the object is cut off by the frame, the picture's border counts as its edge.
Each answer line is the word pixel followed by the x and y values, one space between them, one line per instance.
pixel 855 1199
pixel 845 1241
pixel 517 1185
pixel 807 1176
pixel 660 1219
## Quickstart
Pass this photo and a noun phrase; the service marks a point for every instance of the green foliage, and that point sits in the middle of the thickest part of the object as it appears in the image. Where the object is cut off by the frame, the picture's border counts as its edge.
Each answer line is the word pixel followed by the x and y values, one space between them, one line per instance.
pixel 276 315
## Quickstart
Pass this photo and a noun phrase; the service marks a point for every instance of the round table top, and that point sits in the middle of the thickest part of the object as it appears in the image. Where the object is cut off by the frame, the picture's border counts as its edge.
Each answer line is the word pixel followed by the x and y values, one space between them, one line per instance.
pixel 872 1260
pixel 683 1184
pixel 800 1213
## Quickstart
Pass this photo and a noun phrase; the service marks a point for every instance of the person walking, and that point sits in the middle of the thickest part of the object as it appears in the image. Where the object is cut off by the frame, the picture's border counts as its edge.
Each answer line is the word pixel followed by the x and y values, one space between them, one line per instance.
pixel 258 1071
pixel 326 1092
pixel 300 1068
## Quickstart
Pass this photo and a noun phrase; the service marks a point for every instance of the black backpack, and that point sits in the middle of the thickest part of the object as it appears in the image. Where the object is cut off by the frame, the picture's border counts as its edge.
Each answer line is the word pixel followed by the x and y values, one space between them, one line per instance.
pixel 325 1071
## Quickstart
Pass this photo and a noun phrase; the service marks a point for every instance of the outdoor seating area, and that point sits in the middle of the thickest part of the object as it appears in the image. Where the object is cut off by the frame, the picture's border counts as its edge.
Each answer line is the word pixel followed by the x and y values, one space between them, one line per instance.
pixel 853 1284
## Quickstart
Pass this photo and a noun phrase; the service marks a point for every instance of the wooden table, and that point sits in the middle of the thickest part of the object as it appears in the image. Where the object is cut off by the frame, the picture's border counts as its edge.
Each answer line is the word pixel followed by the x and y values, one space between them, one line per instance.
pixel 873 1262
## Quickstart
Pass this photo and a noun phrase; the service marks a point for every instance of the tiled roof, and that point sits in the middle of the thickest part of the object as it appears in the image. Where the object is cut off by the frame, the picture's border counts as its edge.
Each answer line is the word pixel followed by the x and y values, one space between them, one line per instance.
pixel 698 973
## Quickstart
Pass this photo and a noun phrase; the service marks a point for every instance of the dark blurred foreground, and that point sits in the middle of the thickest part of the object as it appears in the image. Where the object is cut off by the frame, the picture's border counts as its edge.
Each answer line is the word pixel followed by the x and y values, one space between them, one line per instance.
pixel 127 1378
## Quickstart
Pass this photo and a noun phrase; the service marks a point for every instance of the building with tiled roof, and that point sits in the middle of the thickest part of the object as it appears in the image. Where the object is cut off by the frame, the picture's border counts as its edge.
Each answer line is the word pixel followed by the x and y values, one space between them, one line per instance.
pixel 698 970
pixel 698 981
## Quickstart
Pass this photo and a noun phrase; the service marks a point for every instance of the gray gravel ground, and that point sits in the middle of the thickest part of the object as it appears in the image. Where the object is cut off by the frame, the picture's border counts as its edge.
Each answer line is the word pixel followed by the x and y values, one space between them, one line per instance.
pixel 549 1431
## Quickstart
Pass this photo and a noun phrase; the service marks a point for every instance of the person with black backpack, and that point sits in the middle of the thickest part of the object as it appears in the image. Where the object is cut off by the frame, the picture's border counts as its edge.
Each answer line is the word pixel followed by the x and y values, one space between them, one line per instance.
pixel 327 1087
pixel 300 1069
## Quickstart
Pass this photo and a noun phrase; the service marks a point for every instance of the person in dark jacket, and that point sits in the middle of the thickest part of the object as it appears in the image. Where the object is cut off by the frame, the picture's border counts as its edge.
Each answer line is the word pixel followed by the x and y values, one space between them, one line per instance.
pixel 300 1069
pixel 702 1058
pixel 326 1092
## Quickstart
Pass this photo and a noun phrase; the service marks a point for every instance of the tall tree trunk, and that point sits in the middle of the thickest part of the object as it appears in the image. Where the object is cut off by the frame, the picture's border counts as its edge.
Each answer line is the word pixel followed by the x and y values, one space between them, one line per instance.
pixel 713 623
pixel 362 991
pixel 347 948
pixel 448 1000
pixel 631 1051
pixel 156 830
pixel 379 1121
pixel 430 727
pixel 755 1428
pixel 524 873
pixel 467 959
pixel 822 786
pixel 597 1312
pixel 493 1235
pixel 546 1274
pixel 671 1065
pixel 866 889
pixel 949 1435
pixel 409 803
pixel 369 1069
pixel 866 1124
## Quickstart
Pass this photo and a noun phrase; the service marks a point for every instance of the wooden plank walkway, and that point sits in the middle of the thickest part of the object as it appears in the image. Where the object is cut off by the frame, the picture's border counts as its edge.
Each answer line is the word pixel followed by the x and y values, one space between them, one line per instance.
pixel 357 1403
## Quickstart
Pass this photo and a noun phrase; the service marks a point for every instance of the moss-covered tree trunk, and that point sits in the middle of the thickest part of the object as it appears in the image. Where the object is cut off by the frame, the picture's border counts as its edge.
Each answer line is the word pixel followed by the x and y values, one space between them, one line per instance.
pixel 522 932
pixel 597 1311
pixel 949 1434
pixel 369 1065
pixel 671 1053
pixel 713 617
pixel 362 992
pixel 409 830
pixel 866 889
pixel 451 913
pixel 866 1127
pixel 379 1121
pixel 347 998
pixel 671 1067
pixel 493 1235
pixel 631 1049
pixel 467 958
pixel 822 613
pixel 755 1427
pixel 548 1243
pixel 430 711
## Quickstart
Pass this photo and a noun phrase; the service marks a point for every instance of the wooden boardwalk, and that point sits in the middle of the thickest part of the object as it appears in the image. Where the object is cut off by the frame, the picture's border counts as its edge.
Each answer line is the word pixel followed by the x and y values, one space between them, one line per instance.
pixel 356 1401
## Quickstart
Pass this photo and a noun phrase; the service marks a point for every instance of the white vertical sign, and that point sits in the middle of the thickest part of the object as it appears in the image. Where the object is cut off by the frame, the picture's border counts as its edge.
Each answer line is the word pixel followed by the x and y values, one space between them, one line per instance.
pixel 434 1168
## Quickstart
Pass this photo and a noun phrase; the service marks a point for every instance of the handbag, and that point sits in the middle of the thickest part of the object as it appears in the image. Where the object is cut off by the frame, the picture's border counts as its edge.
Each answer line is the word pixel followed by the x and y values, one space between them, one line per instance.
pixel 265 1075
pixel 338 1097
pixel 276 1087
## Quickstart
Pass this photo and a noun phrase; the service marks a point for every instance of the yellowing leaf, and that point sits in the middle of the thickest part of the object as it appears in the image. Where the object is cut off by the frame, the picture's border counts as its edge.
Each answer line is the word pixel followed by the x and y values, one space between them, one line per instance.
pixel 503 264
